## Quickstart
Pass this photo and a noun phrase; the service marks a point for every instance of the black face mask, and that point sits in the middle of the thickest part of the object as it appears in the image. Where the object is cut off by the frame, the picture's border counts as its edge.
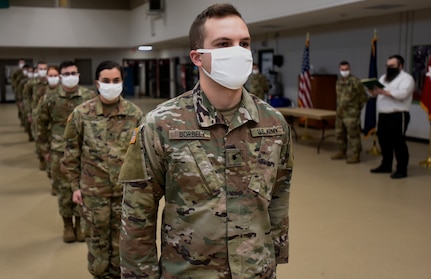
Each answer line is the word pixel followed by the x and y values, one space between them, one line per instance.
pixel 391 74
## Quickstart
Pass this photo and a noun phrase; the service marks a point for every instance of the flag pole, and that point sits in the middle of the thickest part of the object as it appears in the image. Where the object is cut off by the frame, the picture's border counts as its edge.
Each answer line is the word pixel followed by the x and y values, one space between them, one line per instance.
pixel 427 163
pixel 374 150
pixel 305 136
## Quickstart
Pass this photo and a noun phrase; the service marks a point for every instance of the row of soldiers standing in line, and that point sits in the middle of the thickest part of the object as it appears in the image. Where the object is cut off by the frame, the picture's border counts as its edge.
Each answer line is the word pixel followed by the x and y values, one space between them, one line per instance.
pixel 35 89
pixel 30 85
pixel 65 119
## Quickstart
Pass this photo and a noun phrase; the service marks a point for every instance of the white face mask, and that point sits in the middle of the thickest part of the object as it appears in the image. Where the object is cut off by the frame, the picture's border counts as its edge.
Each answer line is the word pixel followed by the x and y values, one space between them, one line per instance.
pixel 42 73
pixel 30 75
pixel 110 91
pixel 35 74
pixel 21 65
pixel 344 74
pixel 53 80
pixel 70 81
pixel 25 72
pixel 230 66
pixel 255 71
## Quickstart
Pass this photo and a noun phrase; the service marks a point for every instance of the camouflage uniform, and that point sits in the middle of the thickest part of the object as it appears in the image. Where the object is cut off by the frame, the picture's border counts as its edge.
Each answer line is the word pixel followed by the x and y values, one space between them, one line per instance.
pixel 15 78
pixel 96 144
pixel 27 94
pixel 42 92
pixel 351 97
pixel 36 94
pixel 38 89
pixel 258 85
pixel 14 81
pixel 19 87
pixel 226 189
pixel 53 112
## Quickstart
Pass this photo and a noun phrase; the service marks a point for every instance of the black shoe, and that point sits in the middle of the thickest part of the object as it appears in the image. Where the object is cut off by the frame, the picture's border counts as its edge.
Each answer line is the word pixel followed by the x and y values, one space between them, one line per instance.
pixel 397 175
pixel 381 169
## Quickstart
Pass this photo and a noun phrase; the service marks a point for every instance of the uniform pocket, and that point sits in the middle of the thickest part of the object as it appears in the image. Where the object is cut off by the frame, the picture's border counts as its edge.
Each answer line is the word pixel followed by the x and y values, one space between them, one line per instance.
pixel 95 135
pixel 265 174
pixel 192 174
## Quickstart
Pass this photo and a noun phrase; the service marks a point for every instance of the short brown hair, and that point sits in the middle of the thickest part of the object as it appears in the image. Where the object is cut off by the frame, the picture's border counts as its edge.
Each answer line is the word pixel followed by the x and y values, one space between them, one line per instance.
pixel 197 31
pixel 53 67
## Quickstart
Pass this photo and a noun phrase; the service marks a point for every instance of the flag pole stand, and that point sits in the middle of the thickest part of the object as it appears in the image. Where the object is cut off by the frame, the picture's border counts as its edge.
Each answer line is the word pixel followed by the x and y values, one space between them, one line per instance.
pixel 374 150
pixel 306 136
pixel 427 163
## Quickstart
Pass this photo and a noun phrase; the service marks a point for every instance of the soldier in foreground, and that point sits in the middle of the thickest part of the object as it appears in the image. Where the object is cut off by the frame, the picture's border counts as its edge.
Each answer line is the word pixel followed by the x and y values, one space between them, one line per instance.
pixel 53 112
pixel 351 97
pixel 222 158
pixel 97 136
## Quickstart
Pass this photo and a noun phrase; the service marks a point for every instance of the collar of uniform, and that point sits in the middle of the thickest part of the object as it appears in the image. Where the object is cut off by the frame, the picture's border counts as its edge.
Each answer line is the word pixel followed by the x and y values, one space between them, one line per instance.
pixel 42 81
pixel 99 107
pixel 347 79
pixel 63 93
pixel 208 116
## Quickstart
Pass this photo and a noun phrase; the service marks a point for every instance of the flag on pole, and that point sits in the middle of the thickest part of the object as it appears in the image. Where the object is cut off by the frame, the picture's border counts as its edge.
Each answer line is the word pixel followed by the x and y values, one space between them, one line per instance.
pixel 426 90
pixel 304 95
pixel 370 109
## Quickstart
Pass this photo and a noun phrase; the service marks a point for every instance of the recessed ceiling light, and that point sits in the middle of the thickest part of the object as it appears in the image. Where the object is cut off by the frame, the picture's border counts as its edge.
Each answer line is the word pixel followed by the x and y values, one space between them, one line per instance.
pixel 145 48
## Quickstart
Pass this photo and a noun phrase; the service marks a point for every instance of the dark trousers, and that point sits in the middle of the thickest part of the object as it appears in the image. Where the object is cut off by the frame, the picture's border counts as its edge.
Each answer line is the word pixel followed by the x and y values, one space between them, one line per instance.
pixel 391 132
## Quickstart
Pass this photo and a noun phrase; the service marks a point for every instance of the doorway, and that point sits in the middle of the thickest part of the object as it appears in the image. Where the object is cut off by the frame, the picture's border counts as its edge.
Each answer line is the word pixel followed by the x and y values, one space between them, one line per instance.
pixel 85 72
pixel 7 68
pixel 150 77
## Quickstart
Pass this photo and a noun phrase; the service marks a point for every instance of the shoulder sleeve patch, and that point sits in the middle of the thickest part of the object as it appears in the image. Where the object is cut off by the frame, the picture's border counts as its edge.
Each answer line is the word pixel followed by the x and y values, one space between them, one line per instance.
pixel 134 167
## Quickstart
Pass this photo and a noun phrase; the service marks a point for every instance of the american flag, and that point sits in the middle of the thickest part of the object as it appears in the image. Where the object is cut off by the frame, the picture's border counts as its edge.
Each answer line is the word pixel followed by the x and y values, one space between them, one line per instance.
pixel 304 96
pixel 426 89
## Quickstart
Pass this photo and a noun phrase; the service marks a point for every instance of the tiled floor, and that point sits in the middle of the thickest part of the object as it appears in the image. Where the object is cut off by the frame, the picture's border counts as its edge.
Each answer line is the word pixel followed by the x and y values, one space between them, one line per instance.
pixel 345 222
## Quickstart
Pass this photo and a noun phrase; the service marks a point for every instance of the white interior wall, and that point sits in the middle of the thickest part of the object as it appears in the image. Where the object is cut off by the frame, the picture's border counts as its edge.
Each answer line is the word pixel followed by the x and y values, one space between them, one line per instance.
pixel 179 15
pixel 60 27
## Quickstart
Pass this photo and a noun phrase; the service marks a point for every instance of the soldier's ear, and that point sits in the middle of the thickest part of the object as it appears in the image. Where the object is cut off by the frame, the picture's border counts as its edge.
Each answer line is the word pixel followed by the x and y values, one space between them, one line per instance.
pixel 196 58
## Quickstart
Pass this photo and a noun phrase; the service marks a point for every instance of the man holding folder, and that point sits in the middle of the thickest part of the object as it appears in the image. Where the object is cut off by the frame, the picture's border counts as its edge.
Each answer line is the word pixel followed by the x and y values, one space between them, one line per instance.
pixel 393 105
